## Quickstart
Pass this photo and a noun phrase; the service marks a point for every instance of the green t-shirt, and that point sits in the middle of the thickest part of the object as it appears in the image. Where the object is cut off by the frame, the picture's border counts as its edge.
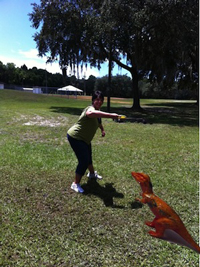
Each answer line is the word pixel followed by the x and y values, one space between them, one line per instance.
pixel 85 128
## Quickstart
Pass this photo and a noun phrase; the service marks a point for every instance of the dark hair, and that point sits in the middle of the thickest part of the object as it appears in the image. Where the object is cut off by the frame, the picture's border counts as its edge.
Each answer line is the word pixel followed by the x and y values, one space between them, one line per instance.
pixel 97 94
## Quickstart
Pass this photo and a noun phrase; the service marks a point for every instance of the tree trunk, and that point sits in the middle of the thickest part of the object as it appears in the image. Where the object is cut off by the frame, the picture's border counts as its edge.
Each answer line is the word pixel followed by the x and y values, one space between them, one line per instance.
pixel 109 87
pixel 136 96
pixel 64 73
pixel 109 81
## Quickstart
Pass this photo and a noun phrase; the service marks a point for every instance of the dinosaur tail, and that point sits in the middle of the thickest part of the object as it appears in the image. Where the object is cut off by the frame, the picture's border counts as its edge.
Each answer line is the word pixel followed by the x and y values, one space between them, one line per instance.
pixel 174 237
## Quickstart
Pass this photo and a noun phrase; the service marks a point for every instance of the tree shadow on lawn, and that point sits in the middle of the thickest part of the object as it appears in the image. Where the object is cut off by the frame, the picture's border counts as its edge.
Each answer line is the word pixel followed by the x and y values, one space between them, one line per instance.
pixel 178 114
pixel 69 110
pixel 106 192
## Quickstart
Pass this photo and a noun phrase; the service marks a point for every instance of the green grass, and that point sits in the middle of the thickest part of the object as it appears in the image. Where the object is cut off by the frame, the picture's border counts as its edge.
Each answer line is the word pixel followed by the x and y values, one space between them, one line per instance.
pixel 44 223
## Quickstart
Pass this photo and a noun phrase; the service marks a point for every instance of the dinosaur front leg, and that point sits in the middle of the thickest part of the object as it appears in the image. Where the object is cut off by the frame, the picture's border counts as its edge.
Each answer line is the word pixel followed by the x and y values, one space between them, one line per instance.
pixel 151 224
pixel 141 200
pixel 160 226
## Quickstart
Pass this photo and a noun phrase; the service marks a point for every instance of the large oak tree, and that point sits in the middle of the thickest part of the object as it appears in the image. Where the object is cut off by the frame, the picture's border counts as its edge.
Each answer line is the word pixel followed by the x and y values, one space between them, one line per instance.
pixel 153 38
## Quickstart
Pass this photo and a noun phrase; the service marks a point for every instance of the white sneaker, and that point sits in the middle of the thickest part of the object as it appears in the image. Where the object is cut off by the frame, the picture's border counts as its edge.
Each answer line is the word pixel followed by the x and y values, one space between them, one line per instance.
pixel 94 176
pixel 77 188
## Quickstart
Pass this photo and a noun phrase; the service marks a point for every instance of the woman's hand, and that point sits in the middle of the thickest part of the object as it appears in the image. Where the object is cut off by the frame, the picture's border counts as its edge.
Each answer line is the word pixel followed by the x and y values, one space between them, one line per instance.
pixel 114 115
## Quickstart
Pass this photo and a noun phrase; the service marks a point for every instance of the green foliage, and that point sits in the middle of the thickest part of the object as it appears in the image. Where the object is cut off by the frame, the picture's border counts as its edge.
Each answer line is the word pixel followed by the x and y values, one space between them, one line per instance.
pixel 44 223
pixel 10 74
pixel 121 86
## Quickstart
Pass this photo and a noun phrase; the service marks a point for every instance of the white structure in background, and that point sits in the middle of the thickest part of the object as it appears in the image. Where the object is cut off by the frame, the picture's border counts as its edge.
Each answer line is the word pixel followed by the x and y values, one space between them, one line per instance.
pixel 1 86
pixel 37 90
pixel 69 89
pixel 27 89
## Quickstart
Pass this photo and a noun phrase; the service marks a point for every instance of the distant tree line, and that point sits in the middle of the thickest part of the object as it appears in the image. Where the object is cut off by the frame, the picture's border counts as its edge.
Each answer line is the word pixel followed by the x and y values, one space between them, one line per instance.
pixel 10 74
pixel 24 77
pixel 121 85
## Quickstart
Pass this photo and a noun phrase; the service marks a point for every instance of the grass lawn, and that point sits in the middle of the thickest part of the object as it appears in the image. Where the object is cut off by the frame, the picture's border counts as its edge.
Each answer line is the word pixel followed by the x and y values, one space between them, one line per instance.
pixel 44 223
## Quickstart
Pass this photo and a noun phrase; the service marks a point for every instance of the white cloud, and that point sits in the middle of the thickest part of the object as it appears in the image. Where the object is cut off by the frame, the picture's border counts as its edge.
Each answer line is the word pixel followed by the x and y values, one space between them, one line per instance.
pixel 32 53
pixel 31 59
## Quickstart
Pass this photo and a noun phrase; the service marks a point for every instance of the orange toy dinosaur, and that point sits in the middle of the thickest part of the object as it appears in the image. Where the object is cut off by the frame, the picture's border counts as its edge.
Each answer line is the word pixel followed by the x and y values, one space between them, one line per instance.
pixel 168 225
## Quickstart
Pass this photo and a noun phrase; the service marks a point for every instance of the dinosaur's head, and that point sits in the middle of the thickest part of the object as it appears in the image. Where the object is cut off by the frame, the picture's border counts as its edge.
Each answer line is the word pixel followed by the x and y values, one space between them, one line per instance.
pixel 144 181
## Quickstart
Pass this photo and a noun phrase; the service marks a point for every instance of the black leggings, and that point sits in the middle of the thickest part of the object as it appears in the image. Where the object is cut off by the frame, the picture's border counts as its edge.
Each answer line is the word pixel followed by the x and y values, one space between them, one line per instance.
pixel 83 152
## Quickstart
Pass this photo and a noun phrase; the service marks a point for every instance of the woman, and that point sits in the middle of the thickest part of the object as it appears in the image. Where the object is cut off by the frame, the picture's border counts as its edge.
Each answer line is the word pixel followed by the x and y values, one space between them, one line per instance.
pixel 81 134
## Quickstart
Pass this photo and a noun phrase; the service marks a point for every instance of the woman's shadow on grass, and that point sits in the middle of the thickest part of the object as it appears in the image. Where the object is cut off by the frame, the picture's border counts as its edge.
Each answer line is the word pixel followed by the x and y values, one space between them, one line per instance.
pixel 106 192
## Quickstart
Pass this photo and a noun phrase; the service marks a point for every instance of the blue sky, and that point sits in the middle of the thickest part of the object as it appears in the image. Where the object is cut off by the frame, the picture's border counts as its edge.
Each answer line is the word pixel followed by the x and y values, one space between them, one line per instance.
pixel 16 40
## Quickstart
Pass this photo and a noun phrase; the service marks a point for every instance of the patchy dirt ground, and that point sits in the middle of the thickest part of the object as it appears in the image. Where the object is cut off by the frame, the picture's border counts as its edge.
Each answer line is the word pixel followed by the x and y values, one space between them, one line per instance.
pixel 41 121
